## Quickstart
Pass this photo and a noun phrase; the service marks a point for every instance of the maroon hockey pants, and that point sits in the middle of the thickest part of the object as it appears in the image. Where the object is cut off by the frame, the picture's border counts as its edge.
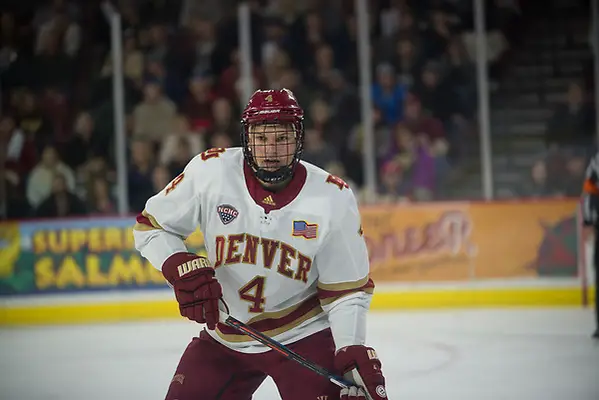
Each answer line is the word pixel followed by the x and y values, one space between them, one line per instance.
pixel 210 371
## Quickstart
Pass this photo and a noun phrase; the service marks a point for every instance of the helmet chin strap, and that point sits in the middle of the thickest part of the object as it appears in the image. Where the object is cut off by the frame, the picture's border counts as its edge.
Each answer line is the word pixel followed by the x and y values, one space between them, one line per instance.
pixel 275 187
pixel 274 178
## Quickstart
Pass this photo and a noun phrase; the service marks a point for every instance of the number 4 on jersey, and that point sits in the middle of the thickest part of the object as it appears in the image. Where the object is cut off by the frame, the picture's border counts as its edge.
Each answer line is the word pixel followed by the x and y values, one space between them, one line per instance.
pixel 253 292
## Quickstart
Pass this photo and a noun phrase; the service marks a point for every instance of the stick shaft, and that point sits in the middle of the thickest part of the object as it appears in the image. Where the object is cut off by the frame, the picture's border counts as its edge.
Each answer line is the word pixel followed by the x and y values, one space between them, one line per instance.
pixel 286 352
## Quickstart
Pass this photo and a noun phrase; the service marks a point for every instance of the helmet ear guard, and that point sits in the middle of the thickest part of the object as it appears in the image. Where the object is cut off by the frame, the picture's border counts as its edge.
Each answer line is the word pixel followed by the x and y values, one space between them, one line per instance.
pixel 272 107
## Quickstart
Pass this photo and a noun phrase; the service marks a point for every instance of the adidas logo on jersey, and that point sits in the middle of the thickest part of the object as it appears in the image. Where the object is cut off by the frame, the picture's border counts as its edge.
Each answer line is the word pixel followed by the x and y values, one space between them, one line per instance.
pixel 268 201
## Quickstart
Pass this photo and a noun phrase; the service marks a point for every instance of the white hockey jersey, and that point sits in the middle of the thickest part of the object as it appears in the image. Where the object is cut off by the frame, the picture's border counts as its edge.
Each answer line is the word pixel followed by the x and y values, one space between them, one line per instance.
pixel 291 263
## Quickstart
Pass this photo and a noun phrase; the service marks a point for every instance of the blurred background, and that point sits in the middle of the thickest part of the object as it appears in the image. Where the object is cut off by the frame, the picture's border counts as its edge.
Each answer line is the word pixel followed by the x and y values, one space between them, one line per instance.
pixel 437 111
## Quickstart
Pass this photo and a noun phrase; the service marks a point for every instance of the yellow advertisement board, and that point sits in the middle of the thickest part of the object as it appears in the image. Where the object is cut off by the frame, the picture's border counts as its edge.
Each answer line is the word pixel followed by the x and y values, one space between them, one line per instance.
pixel 436 242
pixel 471 241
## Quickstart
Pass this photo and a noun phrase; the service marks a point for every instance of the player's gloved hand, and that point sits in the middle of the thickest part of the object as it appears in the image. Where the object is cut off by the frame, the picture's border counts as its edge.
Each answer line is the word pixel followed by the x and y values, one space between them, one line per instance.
pixel 196 289
pixel 361 365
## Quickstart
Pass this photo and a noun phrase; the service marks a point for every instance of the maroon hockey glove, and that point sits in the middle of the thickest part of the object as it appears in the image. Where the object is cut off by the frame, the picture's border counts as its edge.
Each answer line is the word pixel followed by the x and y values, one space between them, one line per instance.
pixel 361 365
pixel 196 289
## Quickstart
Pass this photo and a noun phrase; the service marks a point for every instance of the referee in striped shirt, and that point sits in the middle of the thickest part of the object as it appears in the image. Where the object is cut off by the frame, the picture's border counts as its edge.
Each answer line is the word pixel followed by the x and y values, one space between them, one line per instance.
pixel 590 212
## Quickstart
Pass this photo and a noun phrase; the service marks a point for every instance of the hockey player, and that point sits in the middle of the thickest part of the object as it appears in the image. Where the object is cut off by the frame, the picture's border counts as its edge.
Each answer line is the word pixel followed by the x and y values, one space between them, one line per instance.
pixel 590 212
pixel 285 253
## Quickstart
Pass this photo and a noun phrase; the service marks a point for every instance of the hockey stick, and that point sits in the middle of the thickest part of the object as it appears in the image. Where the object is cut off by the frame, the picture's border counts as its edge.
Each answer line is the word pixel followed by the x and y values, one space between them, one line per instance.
pixel 227 319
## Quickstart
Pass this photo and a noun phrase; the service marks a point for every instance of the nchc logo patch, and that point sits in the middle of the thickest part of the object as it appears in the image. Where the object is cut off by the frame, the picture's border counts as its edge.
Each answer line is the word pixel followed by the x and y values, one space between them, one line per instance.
pixel 227 213
pixel 305 230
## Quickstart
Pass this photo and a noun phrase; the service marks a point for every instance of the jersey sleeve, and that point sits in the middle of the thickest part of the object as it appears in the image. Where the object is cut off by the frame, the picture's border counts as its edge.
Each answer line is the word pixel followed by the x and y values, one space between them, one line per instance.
pixel 344 285
pixel 590 193
pixel 171 215
pixel 342 262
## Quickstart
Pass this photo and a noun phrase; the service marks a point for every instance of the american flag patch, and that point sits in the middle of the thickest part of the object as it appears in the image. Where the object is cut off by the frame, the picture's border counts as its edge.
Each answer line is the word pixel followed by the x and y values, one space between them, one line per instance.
pixel 304 229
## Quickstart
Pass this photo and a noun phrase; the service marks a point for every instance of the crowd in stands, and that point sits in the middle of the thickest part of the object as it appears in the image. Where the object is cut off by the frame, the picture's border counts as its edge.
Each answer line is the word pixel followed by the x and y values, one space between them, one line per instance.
pixel 569 134
pixel 182 65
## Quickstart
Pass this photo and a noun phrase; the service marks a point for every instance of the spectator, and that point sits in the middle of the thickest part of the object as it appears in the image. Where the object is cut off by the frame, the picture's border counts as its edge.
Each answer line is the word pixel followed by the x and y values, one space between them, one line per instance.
pixel 413 153
pixel 61 202
pixel 13 203
pixel 62 25
pixel 275 39
pixel 538 185
pixel 438 35
pixel 222 117
pixel 307 33
pixel 96 168
pixel 342 100
pixel 496 44
pixel 390 19
pixel 382 137
pixel 16 159
pixel 160 178
pixel 9 39
pixel 197 105
pixel 205 43
pixel 154 115
pixel 32 121
pixel 440 100
pixel 459 72
pixel 54 69
pixel 41 180
pixel 99 199
pixel 324 65
pixel 316 150
pixel 319 117
pixel 221 140
pixel 393 187
pixel 183 155
pixel 84 144
pixel 388 95
pixel 434 94
pixel 417 121
pixel 168 78
pixel 273 68
pixel 572 122
pixel 407 61
pixel 157 45
pixel 345 44
pixel 181 131
pixel 575 173
pixel 20 151
pixel 131 17
pixel 140 174
pixel 226 86
pixel 133 60
pixel 408 25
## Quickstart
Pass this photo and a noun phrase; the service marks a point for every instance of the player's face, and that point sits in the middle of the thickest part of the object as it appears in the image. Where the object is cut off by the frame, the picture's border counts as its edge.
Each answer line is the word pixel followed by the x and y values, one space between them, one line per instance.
pixel 273 145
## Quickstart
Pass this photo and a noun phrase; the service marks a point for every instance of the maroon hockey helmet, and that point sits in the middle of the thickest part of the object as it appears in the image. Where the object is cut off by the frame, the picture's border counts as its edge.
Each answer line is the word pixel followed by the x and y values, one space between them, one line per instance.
pixel 272 107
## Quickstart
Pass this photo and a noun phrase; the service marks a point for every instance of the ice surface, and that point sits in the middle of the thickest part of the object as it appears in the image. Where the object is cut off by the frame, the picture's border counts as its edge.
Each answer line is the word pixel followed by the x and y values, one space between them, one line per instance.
pixel 472 354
